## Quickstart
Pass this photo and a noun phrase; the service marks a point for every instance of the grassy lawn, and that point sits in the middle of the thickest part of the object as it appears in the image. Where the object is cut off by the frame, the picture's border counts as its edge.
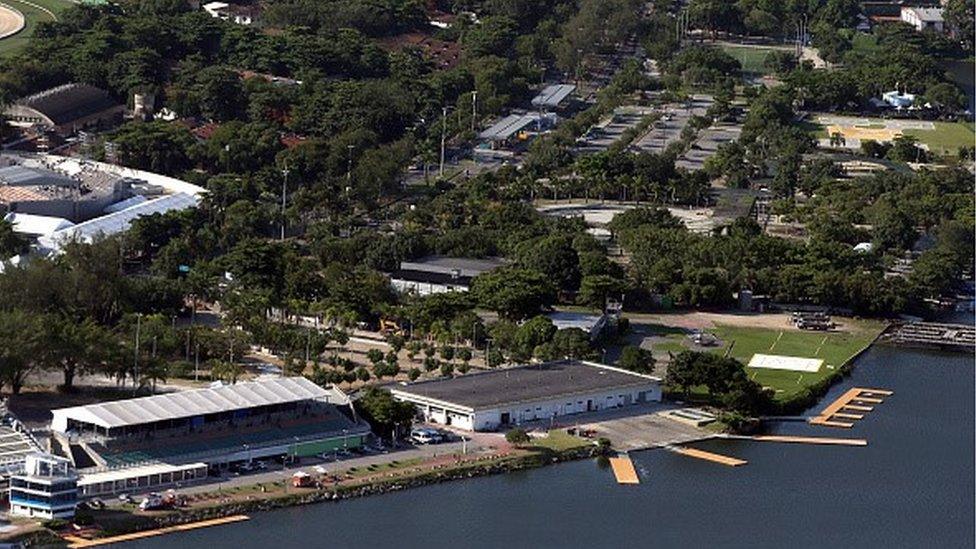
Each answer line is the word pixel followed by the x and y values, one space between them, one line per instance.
pixel 560 440
pixel 670 346
pixel 834 348
pixel 32 17
pixel 947 137
pixel 863 42
pixel 752 59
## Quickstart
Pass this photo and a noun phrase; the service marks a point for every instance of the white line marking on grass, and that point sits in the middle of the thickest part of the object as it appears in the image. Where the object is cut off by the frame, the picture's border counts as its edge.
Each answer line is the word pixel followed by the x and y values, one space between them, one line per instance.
pixel 780 336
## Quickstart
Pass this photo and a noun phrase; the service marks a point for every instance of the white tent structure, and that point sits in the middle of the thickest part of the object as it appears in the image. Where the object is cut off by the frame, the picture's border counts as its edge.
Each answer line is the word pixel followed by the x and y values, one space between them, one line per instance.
pixel 37 225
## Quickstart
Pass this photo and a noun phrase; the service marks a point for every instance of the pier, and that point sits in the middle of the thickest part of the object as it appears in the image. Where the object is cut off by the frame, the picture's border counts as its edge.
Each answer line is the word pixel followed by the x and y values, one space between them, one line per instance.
pixel 951 337
pixel 707 456
pixel 828 441
pixel 624 470
pixel 856 399
pixel 79 542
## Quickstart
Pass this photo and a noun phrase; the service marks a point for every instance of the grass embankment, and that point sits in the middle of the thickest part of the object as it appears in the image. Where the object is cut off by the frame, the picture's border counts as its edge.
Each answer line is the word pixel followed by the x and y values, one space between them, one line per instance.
pixel 835 348
pixel 33 15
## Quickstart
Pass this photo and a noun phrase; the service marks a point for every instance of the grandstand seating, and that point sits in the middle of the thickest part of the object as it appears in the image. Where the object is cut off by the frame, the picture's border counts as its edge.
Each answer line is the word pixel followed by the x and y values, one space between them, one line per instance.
pixel 175 448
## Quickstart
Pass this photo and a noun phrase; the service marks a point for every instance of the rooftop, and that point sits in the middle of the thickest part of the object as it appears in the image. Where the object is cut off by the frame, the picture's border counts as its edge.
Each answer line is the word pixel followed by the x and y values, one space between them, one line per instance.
pixel 524 384
pixel 195 402
pixel 451 265
pixel 22 176
pixel 552 96
pixel 508 126
pixel 929 15
pixel 69 102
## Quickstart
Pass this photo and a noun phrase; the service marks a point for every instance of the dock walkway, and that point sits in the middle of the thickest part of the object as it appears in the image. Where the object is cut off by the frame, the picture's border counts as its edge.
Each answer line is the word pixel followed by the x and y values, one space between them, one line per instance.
pixel 79 542
pixel 624 470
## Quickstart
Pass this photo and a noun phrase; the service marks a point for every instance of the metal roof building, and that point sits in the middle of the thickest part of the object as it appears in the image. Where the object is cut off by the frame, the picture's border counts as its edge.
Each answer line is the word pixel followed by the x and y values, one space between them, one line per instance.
pixel 552 96
pixel 37 225
pixel 510 125
pixel 119 221
pixel 195 402
pixel 511 396
pixel 22 176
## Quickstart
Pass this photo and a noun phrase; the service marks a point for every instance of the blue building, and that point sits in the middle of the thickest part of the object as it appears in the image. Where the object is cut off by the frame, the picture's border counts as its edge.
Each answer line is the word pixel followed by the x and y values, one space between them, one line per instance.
pixel 47 488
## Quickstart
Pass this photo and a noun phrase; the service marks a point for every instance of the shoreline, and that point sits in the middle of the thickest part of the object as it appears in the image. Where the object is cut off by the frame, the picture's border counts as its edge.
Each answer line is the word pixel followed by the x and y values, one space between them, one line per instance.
pixel 127 523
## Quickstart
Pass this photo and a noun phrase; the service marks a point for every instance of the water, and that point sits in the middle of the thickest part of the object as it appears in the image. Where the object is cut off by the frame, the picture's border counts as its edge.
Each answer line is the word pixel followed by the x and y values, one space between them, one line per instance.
pixel 911 487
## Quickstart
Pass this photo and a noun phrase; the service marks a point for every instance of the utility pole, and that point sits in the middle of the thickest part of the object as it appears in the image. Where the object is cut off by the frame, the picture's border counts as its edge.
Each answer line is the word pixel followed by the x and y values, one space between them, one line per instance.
pixel 474 109
pixel 196 363
pixel 440 171
pixel 135 367
pixel 284 195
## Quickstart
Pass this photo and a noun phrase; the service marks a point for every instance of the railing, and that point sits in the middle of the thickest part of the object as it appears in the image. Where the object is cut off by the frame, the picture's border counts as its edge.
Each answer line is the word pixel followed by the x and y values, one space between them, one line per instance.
pixel 358 430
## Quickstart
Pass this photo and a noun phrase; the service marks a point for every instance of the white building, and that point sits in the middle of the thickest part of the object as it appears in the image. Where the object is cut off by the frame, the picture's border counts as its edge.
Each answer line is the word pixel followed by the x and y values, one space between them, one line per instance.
pixel 439 274
pixel 47 488
pixel 923 18
pixel 240 15
pixel 899 100
pixel 593 325
pixel 513 396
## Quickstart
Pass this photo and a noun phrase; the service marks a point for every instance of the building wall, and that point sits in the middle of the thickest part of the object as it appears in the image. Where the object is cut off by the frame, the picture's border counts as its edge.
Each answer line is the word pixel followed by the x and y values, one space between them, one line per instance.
pixel 515 414
pixel 424 288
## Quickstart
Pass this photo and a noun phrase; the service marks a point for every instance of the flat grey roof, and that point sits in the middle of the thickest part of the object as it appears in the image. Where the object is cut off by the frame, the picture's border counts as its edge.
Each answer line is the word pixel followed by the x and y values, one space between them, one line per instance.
pixel 529 383
pixel 552 96
pixel 448 265
pixel 22 176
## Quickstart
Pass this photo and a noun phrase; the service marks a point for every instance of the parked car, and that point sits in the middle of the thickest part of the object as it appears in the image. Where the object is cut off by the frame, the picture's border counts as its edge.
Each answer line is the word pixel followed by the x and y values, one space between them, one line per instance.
pixel 425 436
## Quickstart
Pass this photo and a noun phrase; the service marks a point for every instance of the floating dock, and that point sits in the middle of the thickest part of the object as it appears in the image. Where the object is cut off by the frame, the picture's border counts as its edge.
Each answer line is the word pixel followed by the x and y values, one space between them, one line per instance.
pixel 855 399
pixel 624 470
pixel 810 440
pixel 708 456
pixel 78 542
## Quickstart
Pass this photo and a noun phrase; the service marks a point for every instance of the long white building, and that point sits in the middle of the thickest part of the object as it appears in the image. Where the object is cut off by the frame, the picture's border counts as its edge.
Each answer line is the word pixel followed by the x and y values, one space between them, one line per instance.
pixel 513 396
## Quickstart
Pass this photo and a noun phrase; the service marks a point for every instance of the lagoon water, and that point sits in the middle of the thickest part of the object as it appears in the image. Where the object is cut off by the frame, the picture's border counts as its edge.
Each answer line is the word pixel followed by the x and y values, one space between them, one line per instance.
pixel 912 486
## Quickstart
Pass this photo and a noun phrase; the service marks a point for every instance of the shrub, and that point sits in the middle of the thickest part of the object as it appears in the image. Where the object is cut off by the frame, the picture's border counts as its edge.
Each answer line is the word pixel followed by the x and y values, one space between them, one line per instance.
pixel 517 436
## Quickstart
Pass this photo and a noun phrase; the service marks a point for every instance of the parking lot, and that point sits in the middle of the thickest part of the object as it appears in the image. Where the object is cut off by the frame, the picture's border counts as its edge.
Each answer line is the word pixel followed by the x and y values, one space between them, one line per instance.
pixel 707 144
pixel 668 129
pixel 602 136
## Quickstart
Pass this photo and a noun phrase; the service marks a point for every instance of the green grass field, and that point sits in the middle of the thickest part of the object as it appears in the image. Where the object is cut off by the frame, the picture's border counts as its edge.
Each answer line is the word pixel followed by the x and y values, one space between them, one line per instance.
pixel 947 137
pixel 32 16
pixel 752 59
pixel 834 348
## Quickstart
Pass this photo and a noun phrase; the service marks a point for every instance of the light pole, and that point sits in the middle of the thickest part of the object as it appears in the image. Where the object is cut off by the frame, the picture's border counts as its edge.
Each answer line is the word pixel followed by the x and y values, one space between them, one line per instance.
pixel 440 171
pixel 284 195
pixel 349 149
pixel 474 108
pixel 135 364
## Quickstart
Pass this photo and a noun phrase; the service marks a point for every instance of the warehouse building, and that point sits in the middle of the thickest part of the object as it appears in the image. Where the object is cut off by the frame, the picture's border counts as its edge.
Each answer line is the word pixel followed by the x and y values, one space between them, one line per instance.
pixel 491 400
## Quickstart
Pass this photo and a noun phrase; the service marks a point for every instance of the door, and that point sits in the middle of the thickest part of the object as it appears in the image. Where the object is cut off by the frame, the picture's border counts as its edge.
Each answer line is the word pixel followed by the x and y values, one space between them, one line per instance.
pixel 589 405
pixel 506 418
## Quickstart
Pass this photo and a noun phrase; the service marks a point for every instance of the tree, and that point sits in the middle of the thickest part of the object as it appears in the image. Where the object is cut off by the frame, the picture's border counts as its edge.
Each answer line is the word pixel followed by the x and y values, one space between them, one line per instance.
pixel 158 147
pixel 514 293
pixel 594 290
pixel 227 371
pixel 960 16
pixel 11 242
pixel 385 415
pixel 517 436
pixel 555 256
pixel 75 347
pixel 636 359
pixel 20 343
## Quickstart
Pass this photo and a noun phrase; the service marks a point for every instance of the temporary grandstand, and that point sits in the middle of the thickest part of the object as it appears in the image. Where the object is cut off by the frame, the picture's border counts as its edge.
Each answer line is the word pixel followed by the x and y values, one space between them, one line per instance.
pixel 16 443
pixel 552 96
pixel 213 427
